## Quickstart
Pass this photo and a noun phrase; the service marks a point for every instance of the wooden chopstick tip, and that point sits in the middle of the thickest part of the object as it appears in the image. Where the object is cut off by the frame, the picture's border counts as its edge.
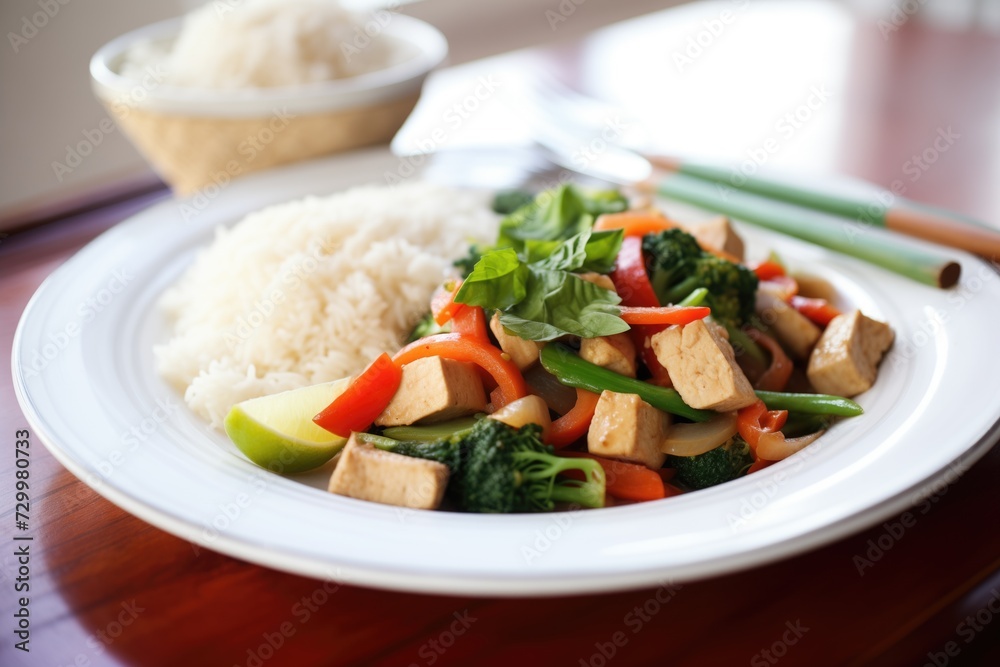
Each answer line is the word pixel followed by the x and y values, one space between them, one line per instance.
pixel 949 275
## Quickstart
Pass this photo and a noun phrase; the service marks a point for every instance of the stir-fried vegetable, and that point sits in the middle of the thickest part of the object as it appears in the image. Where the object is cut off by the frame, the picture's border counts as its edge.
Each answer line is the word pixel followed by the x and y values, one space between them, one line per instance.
pixel 679 266
pixel 574 424
pixel 664 315
pixel 572 264
pixel 431 432
pixel 811 404
pixel 777 374
pixel 633 286
pixel 717 466
pixel 454 346
pixel 363 400
pixel 497 468
pixel 820 311
pixel 698 438
pixel 627 481
pixel 576 372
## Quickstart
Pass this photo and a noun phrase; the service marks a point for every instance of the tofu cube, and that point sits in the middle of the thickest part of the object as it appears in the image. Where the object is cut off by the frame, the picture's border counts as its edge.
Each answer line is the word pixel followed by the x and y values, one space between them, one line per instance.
pixel 628 428
pixel 796 332
pixel 703 367
pixel 615 352
pixel 845 361
pixel 435 389
pixel 524 353
pixel 367 473
pixel 718 233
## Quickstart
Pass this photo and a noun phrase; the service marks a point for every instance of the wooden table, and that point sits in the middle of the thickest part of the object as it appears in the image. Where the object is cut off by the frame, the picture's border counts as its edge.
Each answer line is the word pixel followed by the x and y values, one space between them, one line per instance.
pixel 107 588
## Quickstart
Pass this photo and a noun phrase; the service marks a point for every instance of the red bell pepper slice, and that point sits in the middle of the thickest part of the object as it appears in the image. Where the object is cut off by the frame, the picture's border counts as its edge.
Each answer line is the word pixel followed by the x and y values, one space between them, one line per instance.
pixel 627 481
pixel 776 376
pixel 820 311
pixel 768 270
pixel 470 321
pixel 755 420
pixel 633 286
pixel 665 315
pixel 364 399
pixel 443 304
pixel 574 424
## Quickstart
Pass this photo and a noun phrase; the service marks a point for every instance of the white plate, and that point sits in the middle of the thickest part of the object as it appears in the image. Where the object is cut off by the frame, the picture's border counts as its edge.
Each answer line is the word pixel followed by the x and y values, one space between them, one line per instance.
pixel 84 376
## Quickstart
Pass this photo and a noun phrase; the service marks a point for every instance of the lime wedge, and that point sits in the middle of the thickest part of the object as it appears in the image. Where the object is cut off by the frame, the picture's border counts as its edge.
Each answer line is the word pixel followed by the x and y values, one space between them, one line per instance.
pixel 277 432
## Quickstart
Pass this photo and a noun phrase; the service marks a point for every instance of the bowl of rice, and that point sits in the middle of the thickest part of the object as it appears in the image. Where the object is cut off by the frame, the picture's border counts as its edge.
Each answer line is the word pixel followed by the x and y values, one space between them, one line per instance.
pixel 232 88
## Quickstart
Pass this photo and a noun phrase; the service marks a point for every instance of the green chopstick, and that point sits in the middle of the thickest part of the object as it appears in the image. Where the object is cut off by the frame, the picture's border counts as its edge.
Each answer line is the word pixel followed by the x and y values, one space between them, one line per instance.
pixel 885 209
pixel 845 236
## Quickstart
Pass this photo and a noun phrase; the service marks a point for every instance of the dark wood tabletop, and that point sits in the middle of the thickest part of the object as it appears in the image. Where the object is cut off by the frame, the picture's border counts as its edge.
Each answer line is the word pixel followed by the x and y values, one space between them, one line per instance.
pixel 922 588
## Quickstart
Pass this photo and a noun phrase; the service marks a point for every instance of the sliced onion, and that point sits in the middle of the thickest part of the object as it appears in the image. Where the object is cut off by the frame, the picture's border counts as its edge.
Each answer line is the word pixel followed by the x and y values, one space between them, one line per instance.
pixel 775 447
pixel 527 410
pixel 694 439
pixel 558 396
pixel 776 376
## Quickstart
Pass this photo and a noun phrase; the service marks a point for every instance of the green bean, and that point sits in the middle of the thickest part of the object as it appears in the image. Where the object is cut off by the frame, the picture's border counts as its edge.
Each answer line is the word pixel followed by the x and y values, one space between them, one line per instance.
pixel 581 374
pixel 812 404
pixel 379 441
pixel 431 432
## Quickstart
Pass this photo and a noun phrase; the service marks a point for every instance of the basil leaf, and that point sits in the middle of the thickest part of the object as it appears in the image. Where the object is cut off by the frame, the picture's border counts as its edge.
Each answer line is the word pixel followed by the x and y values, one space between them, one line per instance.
pixel 497 281
pixel 560 303
pixel 597 202
pixel 555 215
pixel 587 251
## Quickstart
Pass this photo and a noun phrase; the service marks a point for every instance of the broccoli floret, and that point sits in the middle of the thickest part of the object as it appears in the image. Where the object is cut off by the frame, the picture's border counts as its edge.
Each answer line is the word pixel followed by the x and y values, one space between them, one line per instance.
pixel 672 256
pixel 427 327
pixel 506 202
pixel 716 466
pixel 678 266
pixel 496 468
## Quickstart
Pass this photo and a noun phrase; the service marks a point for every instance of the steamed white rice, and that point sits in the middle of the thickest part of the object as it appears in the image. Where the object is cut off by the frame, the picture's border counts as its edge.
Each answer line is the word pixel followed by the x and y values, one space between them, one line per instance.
pixel 312 290
pixel 262 43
